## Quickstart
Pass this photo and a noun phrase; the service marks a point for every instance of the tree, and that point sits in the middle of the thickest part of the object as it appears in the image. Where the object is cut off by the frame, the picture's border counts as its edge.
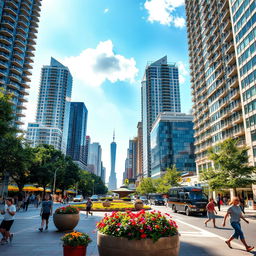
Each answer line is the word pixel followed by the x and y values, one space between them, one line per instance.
pixel 90 183
pixel 231 168
pixel 47 161
pixel 16 158
pixel 7 116
pixel 146 186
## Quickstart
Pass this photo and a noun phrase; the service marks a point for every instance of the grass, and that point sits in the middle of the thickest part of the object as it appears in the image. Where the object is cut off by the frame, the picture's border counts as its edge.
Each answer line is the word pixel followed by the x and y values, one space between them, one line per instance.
pixel 114 206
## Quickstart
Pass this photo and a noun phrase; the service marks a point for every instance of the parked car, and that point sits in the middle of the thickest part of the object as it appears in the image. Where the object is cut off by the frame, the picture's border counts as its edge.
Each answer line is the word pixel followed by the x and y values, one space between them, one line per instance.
pixel 156 199
pixel 95 198
pixel 78 198
pixel 143 199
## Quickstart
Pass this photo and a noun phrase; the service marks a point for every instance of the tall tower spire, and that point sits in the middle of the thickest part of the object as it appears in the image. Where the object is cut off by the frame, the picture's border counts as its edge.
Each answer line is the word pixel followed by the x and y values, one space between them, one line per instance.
pixel 114 135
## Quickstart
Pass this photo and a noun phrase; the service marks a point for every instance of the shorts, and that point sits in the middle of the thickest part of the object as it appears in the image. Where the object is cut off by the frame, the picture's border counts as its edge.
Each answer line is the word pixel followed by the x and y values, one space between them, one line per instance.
pixel 6 224
pixel 88 208
pixel 45 216
pixel 211 215
pixel 238 231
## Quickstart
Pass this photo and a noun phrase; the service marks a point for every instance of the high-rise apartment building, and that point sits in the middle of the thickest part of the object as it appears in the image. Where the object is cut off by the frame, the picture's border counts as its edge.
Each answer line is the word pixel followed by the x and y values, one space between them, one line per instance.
pixel 139 164
pixel 18 29
pixel 221 37
pixel 112 184
pixel 132 159
pixel 94 158
pixel 87 148
pixel 103 173
pixel 172 144
pixel 77 133
pixel 160 93
pixel 53 106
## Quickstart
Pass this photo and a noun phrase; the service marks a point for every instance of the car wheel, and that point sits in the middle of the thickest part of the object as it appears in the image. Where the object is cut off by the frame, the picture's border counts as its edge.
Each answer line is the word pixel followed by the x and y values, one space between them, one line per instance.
pixel 174 209
pixel 188 213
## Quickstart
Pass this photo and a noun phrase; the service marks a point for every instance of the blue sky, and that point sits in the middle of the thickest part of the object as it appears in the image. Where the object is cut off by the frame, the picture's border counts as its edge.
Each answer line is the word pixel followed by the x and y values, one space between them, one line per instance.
pixel 107 44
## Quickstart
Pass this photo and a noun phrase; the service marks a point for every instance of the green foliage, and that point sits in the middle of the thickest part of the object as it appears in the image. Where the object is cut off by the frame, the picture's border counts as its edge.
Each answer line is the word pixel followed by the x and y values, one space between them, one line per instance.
pixel 231 168
pixel 90 183
pixel 169 180
pixel 75 239
pixel 146 186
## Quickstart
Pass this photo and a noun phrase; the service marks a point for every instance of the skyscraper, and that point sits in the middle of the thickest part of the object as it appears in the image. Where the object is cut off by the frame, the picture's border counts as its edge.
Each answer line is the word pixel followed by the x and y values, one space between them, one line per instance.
pixel 221 45
pixel 160 93
pixel 131 164
pixel 112 184
pixel 103 173
pixel 18 29
pixel 139 165
pixel 94 158
pixel 77 133
pixel 87 148
pixel 172 144
pixel 53 107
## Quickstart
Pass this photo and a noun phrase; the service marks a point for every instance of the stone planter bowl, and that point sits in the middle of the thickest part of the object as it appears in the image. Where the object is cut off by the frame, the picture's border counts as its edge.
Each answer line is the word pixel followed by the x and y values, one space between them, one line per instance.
pixel 65 222
pixel 116 246
pixel 106 204
pixel 138 205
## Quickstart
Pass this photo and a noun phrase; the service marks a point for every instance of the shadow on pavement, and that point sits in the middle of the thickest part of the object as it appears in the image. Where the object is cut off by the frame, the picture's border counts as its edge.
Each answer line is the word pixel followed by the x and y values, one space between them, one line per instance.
pixel 188 249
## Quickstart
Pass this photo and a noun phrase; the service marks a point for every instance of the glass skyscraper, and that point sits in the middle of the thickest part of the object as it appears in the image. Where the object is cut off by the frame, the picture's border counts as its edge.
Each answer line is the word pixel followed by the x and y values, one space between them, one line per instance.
pixel 53 106
pixel 160 93
pixel 112 184
pixel 94 158
pixel 172 143
pixel 77 132
pixel 18 29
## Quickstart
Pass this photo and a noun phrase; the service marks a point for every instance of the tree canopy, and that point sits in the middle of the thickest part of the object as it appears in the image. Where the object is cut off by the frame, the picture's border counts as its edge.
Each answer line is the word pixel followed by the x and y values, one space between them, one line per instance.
pixel 231 168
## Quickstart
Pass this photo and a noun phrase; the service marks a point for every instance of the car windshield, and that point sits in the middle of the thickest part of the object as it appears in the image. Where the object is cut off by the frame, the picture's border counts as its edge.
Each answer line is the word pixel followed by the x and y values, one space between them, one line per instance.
pixel 78 196
pixel 158 197
pixel 143 197
pixel 197 195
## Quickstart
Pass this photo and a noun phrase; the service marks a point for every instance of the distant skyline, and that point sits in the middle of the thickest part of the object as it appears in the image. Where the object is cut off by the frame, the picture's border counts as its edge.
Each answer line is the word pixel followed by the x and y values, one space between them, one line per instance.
pixel 106 44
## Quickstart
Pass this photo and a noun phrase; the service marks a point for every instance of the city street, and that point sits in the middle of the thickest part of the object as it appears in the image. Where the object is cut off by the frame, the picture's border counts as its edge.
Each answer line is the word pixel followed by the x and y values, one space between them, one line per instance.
pixel 196 239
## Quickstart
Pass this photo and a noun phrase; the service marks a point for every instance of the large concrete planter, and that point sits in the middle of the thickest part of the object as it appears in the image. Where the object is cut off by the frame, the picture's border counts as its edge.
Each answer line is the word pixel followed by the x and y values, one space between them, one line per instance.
pixel 116 246
pixel 138 205
pixel 65 222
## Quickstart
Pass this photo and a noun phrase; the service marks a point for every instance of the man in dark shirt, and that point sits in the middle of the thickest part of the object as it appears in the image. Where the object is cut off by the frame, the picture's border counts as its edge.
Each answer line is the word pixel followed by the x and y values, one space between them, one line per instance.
pixel 46 211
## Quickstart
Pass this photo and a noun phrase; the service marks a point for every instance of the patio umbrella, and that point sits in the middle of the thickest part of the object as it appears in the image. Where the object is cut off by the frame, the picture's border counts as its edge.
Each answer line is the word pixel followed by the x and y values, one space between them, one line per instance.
pixel 13 188
pixel 29 188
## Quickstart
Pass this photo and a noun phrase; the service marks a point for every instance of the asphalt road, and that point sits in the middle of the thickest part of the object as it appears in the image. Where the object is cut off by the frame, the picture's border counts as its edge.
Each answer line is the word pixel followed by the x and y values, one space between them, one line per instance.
pixel 196 239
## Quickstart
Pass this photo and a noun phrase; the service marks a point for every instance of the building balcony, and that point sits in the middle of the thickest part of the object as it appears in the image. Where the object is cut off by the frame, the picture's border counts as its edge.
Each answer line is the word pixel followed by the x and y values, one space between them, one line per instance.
pixel 14 85
pixel 9 16
pixel 6 31
pixel 20 41
pixel 232 71
pixel 15 77
pixel 233 83
pixel 23 23
pixel 17 62
pixel 235 95
pixel 26 78
pixel 23 99
pixel 238 120
pixel 4 56
pixel 21 36
pixel 24 17
pixel 224 6
pixel 3 64
pixel 231 59
pixel 5 48
pixel 21 106
pixel 16 70
pixel 225 16
pixel 228 36
pixel 18 55
pixel 5 39
pixel 11 10
pixel 8 24
pixel 23 30
pixel 229 47
pixel 3 72
pixel 239 132
pixel 25 11
pixel 27 72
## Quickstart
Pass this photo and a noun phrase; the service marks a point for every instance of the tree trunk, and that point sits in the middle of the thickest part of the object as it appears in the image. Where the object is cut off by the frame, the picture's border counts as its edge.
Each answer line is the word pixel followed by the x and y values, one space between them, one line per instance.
pixel 235 192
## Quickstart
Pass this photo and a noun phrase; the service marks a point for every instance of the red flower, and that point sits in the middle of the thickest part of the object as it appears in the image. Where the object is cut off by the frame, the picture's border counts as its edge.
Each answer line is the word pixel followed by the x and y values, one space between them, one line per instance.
pixel 156 226
pixel 141 230
pixel 143 235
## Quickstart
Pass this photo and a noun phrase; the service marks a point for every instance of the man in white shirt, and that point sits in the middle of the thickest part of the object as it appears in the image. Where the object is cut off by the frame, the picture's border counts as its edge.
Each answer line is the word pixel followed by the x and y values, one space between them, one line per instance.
pixel 8 220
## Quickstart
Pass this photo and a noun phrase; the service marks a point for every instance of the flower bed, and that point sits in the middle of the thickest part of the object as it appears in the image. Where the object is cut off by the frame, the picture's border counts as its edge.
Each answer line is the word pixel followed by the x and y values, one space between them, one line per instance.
pixel 114 206
pixel 141 225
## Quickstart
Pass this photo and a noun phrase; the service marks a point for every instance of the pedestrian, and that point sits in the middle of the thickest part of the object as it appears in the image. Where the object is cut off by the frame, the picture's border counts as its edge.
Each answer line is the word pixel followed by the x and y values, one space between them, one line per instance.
pixel 46 212
pixel 242 204
pixel 8 220
pixel 38 199
pixel 219 201
pixel 88 207
pixel 26 202
pixel 235 213
pixel 20 198
pixel 210 207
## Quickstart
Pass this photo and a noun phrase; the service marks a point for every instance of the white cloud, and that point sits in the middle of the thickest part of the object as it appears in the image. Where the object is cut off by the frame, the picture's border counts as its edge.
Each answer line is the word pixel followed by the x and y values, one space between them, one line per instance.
pixel 106 10
pixel 163 11
pixel 183 72
pixel 94 66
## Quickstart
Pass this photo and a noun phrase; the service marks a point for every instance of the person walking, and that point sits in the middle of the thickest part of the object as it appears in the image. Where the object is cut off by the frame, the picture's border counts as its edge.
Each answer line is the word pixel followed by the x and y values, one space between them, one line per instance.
pixel 88 207
pixel 210 207
pixel 7 222
pixel 46 212
pixel 242 204
pixel 219 201
pixel 235 214
pixel 26 202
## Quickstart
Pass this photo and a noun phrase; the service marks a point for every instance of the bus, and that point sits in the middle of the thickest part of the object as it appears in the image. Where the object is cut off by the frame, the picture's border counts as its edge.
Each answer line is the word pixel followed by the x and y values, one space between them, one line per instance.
pixel 190 200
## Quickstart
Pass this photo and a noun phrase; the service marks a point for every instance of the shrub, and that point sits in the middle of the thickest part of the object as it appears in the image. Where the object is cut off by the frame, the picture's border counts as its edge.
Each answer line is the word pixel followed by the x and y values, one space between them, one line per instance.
pixel 141 225
pixel 76 239
pixel 67 210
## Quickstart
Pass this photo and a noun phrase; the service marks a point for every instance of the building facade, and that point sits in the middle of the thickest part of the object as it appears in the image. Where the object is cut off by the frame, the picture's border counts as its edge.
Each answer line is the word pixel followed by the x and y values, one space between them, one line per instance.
pixel 220 34
pixel 77 132
pixel 18 31
pixel 53 108
pixel 139 164
pixel 103 173
pixel 94 158
pixel 112 184
pixel 172 144
pixel 160 93
pixel 87 149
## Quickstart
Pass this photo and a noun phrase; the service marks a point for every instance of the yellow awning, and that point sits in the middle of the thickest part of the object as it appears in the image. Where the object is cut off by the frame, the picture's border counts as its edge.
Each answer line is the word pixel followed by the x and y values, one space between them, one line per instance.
pixel 13 188
pixel 30 188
